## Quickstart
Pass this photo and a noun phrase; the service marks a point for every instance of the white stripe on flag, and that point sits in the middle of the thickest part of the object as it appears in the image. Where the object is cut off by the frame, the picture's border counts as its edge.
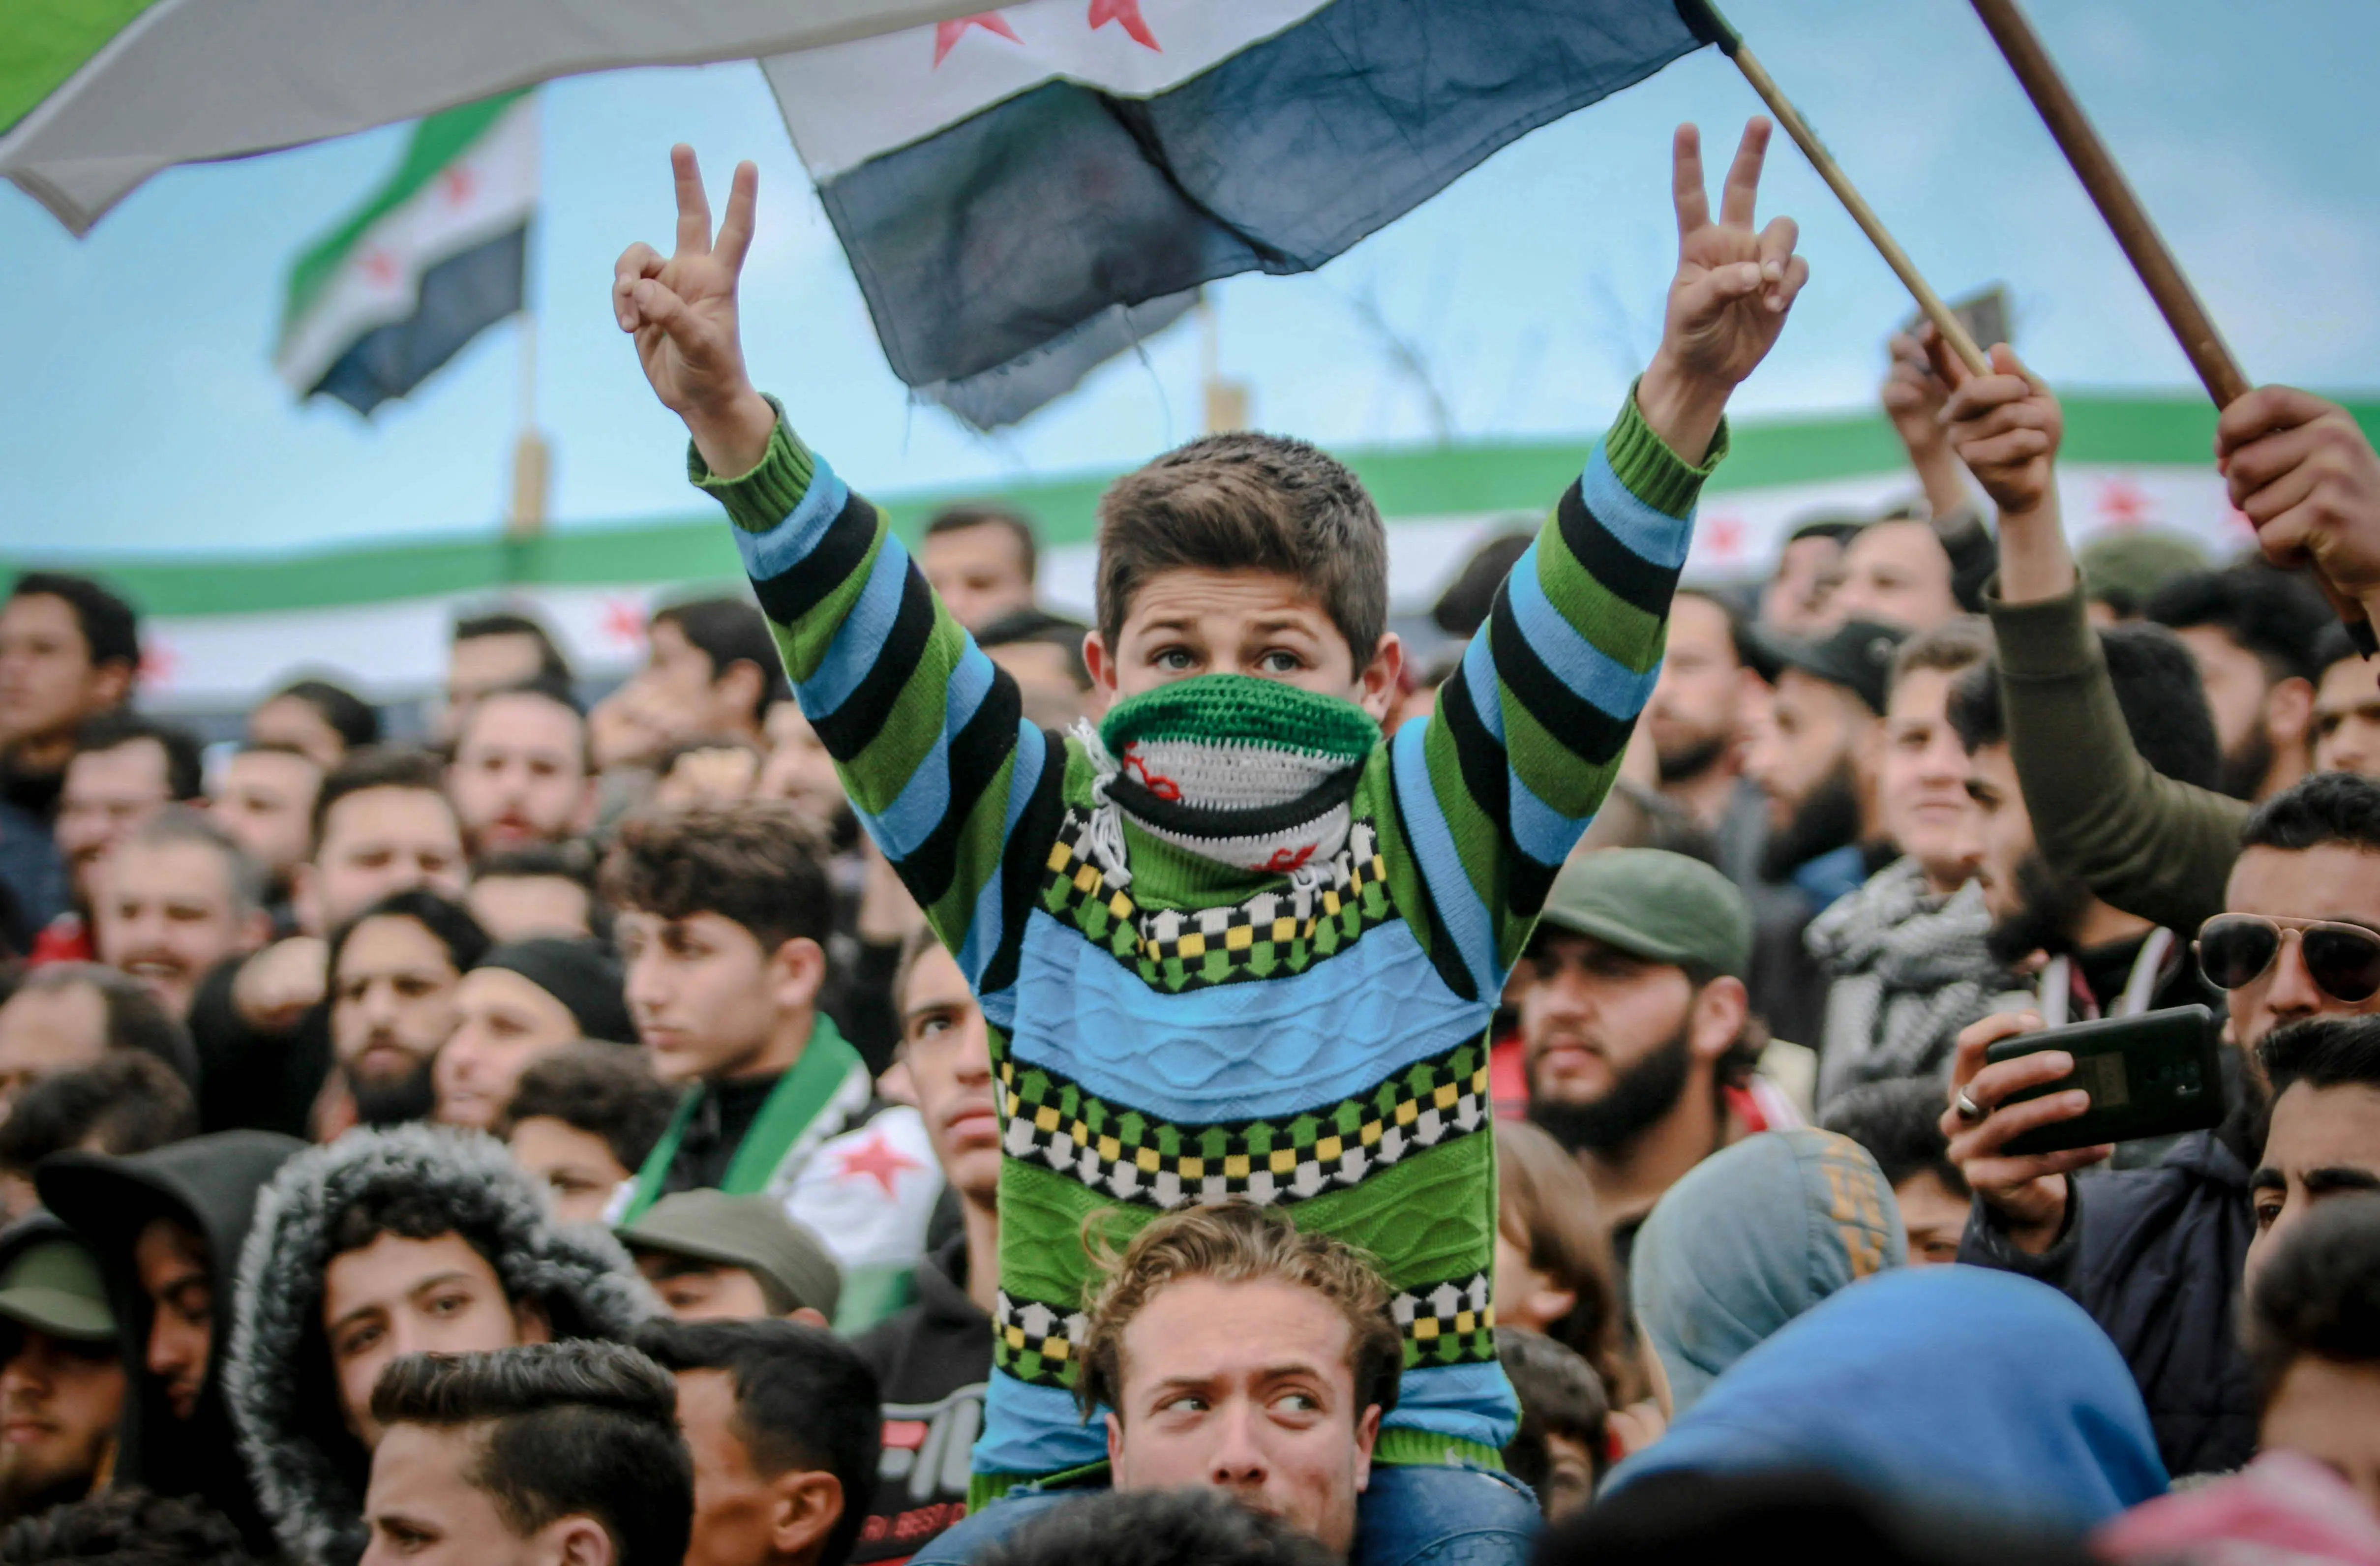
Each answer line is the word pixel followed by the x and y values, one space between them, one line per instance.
pixel 490 189
pixel 850 102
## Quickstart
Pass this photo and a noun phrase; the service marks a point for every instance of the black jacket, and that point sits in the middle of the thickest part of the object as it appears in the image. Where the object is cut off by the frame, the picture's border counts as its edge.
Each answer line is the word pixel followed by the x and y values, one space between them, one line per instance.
pixel 2154 1255
pixel 208 1183
pixel 253 1080
pixel 933 1361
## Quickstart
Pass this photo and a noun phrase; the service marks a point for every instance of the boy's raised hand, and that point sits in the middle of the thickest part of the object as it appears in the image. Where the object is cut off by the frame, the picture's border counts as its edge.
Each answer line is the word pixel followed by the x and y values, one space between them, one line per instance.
pixel 1729 298
pixel 682 311
pixel 2005 427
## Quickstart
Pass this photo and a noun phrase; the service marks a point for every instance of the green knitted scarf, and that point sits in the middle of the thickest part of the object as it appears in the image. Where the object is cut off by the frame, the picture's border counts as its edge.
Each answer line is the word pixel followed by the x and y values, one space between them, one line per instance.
pixel 1251 773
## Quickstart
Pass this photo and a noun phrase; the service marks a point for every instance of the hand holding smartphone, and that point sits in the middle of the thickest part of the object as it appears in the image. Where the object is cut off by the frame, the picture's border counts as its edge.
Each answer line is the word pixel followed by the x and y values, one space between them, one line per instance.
pixel 2148 1075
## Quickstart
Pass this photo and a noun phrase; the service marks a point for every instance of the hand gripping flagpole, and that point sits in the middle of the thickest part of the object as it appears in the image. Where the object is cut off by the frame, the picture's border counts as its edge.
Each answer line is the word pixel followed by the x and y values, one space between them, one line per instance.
pixel 1702 18
pixel 2143 246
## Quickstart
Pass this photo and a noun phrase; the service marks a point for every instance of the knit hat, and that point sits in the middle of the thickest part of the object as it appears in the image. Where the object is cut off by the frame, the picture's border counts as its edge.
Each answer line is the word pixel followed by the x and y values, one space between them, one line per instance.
pixel 582 974
pixel 789 1262
pixel 1651 903
pixel 1249 773
pixel 1856 655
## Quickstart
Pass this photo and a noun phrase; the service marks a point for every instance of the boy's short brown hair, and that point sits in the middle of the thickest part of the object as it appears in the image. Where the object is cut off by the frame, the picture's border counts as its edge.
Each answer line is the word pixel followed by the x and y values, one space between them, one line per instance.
pixel 1235 1243
pixel 1247 502
pixel 756 862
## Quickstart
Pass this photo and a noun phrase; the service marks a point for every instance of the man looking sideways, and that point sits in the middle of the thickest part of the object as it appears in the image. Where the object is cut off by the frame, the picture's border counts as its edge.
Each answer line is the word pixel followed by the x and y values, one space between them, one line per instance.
pixel 560 1454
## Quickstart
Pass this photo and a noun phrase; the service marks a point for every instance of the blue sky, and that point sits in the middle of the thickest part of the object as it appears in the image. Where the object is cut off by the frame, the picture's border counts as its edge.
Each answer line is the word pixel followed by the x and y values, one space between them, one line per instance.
pixel 142 415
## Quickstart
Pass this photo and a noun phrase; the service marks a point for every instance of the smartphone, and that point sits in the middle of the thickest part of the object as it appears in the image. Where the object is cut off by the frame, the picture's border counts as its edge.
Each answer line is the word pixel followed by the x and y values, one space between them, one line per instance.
pixel 2148 1075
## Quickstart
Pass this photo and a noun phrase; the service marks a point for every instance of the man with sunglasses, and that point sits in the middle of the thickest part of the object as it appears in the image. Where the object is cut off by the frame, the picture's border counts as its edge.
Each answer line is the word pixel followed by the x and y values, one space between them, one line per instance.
pixel 2156 1254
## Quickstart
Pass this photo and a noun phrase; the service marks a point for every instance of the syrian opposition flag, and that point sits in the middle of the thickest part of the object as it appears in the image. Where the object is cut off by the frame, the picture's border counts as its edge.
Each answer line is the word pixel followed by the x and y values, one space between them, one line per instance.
pixel 434 257
pixel 1026 191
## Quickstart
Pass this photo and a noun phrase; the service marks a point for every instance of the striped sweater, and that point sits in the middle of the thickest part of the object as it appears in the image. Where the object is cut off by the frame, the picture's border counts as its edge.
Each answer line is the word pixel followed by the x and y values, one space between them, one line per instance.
pixel 1208 1033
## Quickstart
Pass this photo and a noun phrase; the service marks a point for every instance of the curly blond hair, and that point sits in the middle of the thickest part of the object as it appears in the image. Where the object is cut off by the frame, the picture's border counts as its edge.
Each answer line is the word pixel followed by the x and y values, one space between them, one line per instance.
pixel 1233 1243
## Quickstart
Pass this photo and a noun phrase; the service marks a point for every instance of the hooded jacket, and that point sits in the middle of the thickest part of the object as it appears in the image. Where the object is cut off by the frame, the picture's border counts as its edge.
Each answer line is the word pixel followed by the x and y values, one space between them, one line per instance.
pixel 208 1184
pixel 309 1471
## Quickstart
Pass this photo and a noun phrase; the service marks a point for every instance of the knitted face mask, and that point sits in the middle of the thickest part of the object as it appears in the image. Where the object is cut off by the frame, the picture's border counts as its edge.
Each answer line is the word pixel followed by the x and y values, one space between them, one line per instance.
pixel 1251 773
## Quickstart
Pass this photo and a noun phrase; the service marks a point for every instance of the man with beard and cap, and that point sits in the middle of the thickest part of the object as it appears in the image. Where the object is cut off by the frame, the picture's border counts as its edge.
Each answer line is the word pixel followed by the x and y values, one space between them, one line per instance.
pixel 521 1002
pixel 395 972
pixel 389 1242
pixel 166 1227
pixel 1640 1043
pixel 61 1378
pixel 2097 960
pixel 1819 759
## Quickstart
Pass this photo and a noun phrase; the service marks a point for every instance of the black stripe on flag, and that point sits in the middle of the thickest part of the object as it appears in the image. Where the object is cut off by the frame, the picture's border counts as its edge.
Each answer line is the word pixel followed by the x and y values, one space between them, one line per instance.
pixel 461 297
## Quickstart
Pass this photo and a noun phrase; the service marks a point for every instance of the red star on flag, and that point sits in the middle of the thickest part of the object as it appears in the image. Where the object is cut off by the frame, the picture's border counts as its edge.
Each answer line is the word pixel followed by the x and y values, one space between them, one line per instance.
pixel 158 661
pixel 623 620
pixel 1126 13
pixel 947 34
pixel 460 184
pixel 2124 503
pixel 378 267
pixel 1725 537
pixel 875 1160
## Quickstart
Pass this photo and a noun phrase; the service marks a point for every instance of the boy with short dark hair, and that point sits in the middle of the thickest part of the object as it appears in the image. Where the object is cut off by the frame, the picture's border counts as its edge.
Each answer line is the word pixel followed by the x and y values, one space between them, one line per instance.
pixel 1230 945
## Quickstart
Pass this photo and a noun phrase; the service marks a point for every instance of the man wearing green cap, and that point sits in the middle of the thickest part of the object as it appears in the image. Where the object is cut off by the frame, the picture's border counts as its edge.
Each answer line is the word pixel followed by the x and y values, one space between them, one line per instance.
pixel 1636 1032
pixel 712 1257
pixel 61 1373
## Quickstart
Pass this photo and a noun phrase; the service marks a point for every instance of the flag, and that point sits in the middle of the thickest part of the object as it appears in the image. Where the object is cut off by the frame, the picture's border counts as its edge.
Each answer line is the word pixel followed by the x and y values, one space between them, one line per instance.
pixel 97 95
pixel 431 260
pixel 1025 191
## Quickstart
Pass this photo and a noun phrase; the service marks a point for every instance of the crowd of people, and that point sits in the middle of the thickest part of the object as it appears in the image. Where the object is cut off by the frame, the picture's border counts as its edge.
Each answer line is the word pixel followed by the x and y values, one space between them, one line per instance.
pixel 910 1076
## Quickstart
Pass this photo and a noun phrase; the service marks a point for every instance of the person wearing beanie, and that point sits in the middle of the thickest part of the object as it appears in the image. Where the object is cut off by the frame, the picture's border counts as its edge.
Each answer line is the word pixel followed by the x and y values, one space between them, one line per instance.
pixel 519 1003
pixel 712 1257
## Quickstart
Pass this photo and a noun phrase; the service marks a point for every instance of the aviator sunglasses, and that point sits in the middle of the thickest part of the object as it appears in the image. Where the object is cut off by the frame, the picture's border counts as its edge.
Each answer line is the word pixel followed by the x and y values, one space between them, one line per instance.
pixel 2236 950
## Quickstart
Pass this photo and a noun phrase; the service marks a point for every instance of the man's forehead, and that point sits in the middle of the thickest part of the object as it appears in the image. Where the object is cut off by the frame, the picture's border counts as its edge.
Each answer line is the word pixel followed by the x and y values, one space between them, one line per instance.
pixel 2337 1125
pixel 388 810
pixel 39 614
pixel 1206 1328
pixel 66 1016
pixel 2329 880
pixel 137 762
pixel 161 870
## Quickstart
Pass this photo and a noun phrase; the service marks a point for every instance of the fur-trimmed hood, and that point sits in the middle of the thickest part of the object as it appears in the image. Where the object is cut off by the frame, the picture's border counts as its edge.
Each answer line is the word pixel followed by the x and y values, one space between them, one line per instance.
pixel 309 1471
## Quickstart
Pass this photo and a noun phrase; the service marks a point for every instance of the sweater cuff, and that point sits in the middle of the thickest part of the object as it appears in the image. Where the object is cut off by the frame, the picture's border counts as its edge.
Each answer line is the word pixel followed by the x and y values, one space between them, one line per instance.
pixel 757 501
pixel 1652 473
pixel 2049 639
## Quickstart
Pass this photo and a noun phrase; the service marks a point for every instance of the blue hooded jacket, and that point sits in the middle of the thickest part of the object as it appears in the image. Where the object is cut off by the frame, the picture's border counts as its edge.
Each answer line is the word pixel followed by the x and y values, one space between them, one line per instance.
pixel 1953 1387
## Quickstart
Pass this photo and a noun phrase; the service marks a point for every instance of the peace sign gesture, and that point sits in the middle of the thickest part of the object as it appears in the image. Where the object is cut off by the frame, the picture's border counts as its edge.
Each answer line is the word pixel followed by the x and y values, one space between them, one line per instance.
pixel 1731 295
pixel 682 311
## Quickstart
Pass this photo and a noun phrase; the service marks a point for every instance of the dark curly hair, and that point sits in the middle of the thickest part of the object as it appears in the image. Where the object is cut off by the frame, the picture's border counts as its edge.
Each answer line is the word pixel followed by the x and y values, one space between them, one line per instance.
pixel 125 1526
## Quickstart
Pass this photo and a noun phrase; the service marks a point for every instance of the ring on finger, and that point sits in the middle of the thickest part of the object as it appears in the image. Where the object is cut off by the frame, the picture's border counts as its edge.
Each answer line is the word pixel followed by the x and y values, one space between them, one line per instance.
pixel 1967 1110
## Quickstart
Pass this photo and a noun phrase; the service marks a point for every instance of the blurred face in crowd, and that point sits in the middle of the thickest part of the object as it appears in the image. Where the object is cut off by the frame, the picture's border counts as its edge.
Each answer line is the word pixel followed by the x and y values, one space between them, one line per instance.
pixel 266 804
pixel 2331 881
pixel 1795 600
pixel 43 1031
pixel 798 769
pixel 2323 1141
pixel 1611 1042
pixel 377 840
pixel 1933 1217
pixel 515 907
pixel 1896 574
pixel 715 774
pixel 578 1168
pixel 294 722
pixel 2033 906
pixel 477 665
pixel 397 1296
pixel 949 1055
pixel 742 1515
pixel 978 571
pixel 1692 712
pixel 1921 781
pixel 48 683
pixel 108 795
pixel 425 1507
pixel 1248 1388
pixel 169 913
pixel 60 1400
pixel 690 696
pixel 504 1023
pixel 519 774
pixel 695 1290
pixel 392 1006
pixel 172 1261
pixel 2254 716
pixel 1044 672
pixel 1812 759
pixel 2346 720
pixel 707 998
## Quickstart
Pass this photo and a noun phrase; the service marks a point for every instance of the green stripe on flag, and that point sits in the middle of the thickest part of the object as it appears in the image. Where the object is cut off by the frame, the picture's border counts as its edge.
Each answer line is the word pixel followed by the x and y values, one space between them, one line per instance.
pixel 43 42
pixel 437 141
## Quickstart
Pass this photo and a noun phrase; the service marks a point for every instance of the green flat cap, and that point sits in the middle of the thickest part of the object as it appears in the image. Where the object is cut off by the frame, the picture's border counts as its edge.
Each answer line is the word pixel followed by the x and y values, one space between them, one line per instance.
pixel 54 1286
pixel 2127 568
pixel 792 1264
pixel 1663 907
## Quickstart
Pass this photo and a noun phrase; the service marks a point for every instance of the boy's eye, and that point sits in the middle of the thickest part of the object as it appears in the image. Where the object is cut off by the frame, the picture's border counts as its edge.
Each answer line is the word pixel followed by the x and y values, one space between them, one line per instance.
pixel 1173 658
pixel 1280 663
